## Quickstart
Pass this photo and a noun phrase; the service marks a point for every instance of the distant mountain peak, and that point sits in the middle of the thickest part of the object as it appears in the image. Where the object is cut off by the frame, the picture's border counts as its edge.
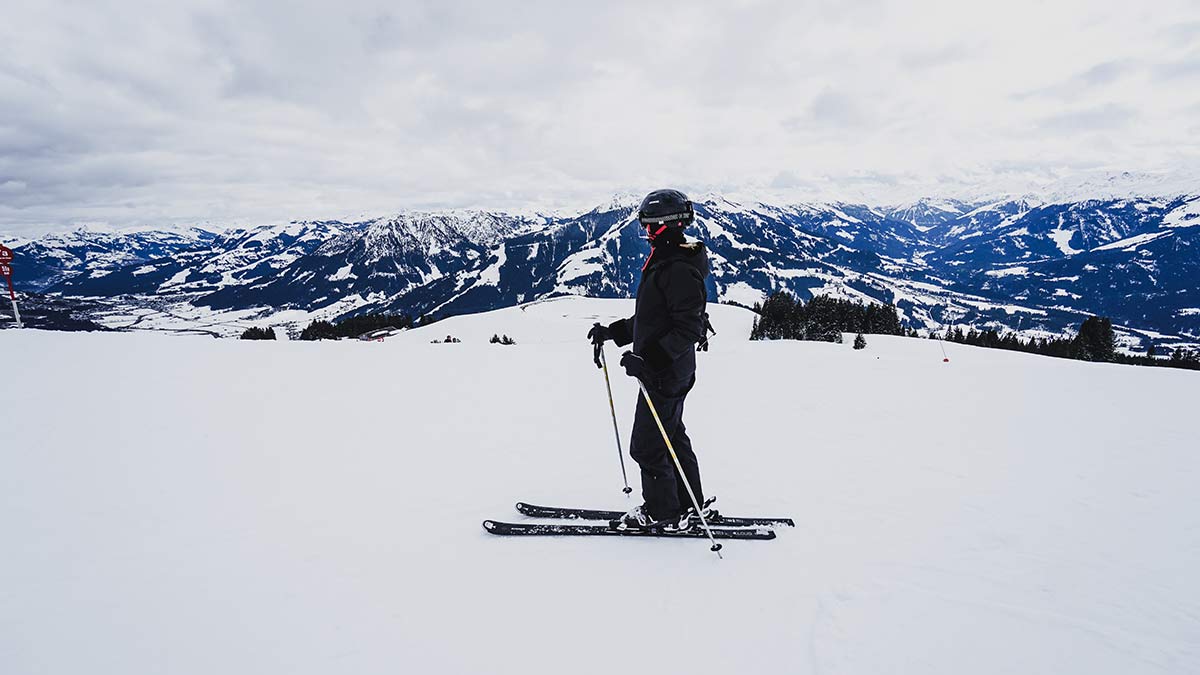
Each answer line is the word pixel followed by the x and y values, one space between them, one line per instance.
pixel 929 212
pixel 619 201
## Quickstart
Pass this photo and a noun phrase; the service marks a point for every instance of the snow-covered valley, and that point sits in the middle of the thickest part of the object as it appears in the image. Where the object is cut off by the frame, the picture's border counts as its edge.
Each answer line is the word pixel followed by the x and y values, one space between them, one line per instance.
pixel 190 505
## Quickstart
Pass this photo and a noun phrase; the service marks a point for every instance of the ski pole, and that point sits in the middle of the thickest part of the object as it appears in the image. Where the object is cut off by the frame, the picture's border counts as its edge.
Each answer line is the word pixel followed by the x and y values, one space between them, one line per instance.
pixel 602 363
pixel 716 548
pixel 945 359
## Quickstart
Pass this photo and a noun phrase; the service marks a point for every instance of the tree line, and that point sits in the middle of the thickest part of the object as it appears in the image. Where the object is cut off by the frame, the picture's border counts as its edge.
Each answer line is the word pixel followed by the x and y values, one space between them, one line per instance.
pixel 782 316
pixel 255 333
pixel 354 326
pixel 1095 341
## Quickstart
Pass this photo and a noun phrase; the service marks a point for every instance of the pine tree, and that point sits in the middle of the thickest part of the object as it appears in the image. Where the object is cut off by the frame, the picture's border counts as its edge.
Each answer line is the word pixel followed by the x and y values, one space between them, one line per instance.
pixel 860 342
pixel 1095 341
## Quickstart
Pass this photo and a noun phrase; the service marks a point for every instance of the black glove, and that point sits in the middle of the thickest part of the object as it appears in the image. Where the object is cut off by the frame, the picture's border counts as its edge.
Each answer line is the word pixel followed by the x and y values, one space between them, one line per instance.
pixel 633 364
pixel 599 334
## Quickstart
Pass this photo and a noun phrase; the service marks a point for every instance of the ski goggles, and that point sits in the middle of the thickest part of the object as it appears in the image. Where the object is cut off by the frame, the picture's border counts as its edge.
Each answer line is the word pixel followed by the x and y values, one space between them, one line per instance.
pixel 682 218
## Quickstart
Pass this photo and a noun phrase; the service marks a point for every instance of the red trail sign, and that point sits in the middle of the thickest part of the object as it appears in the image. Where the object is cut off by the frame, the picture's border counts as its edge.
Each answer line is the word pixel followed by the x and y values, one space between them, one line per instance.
pixel 6 256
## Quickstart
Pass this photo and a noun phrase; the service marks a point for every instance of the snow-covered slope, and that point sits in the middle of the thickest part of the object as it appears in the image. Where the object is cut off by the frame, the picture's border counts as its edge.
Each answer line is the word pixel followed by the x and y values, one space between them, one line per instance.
pixel 197 506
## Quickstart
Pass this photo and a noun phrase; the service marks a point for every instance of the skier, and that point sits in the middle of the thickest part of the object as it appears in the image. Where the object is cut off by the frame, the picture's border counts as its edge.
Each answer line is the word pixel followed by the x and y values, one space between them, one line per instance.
pixel 668 321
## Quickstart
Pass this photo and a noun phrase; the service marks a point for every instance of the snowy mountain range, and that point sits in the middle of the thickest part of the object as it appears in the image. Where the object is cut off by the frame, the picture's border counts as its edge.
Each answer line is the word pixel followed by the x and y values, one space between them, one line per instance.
pixel 1012 263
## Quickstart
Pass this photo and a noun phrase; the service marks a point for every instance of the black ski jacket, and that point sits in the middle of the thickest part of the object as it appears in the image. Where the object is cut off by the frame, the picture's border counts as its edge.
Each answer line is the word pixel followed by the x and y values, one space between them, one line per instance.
pixel 669 318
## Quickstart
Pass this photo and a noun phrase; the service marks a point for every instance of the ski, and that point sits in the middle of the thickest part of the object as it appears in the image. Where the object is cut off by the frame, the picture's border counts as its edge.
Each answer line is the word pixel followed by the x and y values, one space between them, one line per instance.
pixel 574 530
pixel 535 511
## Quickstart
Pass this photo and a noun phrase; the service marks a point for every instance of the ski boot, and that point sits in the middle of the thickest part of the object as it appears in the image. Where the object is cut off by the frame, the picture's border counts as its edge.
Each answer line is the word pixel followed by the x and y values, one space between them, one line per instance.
pixel 690 519
pixel 638 518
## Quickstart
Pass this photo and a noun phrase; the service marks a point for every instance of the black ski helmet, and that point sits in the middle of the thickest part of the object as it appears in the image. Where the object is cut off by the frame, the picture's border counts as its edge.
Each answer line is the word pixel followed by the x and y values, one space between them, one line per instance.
pixel 666 207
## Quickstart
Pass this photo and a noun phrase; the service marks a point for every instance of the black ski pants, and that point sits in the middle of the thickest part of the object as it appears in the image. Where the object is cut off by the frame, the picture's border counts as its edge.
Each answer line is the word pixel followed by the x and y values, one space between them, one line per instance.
pixel 663 493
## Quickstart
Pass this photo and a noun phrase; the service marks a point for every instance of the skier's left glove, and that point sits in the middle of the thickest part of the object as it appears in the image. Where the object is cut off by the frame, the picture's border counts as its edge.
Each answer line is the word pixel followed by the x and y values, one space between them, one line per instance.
pixel 599 333
pixel 633 364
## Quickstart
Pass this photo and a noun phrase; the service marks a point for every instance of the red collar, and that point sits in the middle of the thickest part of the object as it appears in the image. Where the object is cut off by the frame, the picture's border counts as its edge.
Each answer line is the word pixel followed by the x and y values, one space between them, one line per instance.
pixel 645 264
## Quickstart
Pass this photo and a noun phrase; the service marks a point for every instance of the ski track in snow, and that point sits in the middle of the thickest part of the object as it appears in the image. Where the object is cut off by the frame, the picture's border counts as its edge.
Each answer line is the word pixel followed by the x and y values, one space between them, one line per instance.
pixel 188 505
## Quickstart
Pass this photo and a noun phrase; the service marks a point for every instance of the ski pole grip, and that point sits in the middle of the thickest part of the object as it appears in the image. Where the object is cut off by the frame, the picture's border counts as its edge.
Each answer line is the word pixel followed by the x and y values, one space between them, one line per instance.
pixel 597 348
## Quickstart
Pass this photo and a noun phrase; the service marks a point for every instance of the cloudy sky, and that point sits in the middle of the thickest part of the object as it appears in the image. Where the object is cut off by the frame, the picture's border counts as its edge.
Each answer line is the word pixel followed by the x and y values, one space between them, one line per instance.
pixel 158 113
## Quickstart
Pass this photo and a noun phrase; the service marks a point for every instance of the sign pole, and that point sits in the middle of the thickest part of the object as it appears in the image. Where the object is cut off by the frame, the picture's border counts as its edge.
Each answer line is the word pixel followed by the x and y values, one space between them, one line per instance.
pixel 13 297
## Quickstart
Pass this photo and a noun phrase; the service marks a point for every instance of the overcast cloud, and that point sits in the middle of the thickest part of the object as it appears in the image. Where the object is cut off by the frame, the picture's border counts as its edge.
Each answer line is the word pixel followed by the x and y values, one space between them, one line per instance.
pixel 159 113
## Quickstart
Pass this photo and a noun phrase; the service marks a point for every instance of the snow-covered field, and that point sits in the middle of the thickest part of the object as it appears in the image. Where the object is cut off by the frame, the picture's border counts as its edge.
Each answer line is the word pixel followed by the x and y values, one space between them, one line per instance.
pixel 188 505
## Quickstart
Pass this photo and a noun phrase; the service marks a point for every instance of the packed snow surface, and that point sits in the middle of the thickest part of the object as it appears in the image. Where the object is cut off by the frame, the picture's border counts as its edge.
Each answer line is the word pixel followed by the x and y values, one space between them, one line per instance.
pixel 198 506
